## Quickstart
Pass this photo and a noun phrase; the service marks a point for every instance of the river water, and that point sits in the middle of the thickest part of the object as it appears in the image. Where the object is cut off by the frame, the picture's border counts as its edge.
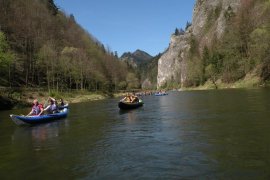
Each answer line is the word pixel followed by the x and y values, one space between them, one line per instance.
pixel 221 134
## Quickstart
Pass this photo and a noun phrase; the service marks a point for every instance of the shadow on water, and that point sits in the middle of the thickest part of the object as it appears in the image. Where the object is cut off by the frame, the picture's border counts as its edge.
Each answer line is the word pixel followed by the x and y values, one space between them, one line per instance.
pixel 122 111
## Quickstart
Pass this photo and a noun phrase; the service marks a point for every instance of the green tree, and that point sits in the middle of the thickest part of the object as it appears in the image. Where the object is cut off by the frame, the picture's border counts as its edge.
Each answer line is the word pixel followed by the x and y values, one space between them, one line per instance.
pixel 133 81
pixel 193 51
pixel 46 61
pixel 259 50
pixel 205 61
pixel 122 85
pixel 6 58
pixel 212 74
pixel 195 72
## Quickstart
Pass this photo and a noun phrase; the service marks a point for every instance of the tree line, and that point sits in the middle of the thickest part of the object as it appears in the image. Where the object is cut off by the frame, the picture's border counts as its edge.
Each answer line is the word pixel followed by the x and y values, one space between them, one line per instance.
pixel 41 46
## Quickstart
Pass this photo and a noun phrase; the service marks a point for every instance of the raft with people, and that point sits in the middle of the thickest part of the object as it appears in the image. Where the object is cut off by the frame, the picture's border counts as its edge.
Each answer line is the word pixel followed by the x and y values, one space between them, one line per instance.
pixel 161 94
pixel 21 119
pixel 38 114
pixel 130 102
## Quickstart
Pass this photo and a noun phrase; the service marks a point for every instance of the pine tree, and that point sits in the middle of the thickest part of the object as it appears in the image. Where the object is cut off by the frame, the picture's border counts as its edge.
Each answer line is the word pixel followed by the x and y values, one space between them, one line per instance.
pixel 53 7
pixel 116 54
pixel 188 25
pixel 176 32
pixel 181 31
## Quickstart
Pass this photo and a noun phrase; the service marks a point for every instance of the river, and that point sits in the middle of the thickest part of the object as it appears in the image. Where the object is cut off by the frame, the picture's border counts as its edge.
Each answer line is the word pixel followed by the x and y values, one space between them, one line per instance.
pixel 222 134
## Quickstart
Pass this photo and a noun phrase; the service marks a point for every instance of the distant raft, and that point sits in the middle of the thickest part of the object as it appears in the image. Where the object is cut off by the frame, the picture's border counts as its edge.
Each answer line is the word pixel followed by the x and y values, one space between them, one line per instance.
pixel 161 94
pixel 126 105
pixel 20 120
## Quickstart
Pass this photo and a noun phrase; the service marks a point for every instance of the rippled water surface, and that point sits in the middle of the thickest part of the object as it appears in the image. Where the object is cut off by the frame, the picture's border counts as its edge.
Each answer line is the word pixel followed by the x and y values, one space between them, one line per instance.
pixel 186 135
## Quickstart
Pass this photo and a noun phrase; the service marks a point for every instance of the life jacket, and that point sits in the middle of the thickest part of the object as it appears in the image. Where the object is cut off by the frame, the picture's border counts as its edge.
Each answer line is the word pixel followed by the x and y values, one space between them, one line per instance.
pixel 37 109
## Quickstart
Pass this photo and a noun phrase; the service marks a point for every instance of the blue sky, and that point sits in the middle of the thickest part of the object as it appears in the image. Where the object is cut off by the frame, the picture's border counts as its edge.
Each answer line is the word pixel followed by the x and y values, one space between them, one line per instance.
pixel 127 25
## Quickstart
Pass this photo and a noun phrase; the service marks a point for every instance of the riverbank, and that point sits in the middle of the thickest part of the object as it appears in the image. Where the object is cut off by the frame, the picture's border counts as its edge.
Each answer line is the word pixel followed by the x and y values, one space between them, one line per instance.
pixel 89 96
pixel 247 83
pixel 24 98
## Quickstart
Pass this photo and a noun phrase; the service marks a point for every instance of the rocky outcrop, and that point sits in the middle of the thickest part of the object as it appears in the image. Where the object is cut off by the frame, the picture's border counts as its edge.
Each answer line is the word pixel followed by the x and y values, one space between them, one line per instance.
pixel 147 84
pixel 171 66
pixel 212 10
pixel 209 22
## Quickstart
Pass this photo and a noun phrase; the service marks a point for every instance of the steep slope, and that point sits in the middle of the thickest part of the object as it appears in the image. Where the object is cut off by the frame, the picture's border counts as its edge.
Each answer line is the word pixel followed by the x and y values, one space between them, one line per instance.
pixel 148 73
pixel 210 20
pixel 172 65
pixel 136 58
pixel 41 46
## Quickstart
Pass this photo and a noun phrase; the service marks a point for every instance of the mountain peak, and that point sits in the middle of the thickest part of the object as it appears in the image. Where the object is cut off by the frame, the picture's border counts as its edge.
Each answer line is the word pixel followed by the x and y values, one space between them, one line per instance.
pixel 136 57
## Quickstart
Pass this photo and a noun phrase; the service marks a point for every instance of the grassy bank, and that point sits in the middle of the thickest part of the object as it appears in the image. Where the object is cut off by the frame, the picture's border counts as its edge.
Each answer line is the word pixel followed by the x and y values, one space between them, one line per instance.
pixel 24 97
pixel 248 82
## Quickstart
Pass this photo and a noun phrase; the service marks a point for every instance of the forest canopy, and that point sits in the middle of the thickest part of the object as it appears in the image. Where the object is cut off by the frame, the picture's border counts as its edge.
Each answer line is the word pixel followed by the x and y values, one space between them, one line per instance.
pixel 41 46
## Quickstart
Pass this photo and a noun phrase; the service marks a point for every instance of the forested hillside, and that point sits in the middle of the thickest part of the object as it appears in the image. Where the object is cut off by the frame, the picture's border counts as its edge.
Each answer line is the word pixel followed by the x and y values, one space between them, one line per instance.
pixel 148 73
pixel 227 44
pixel 242 51
pixel 136 58
pixel 40 46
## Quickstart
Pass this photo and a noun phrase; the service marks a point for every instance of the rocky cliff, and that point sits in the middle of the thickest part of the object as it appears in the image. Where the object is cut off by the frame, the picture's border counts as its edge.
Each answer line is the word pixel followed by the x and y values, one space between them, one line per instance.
pixel 208 24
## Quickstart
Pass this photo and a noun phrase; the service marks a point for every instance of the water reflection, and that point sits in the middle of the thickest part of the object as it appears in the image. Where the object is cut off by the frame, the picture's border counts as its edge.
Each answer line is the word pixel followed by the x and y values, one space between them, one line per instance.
pixel 130 114
pixel 43 136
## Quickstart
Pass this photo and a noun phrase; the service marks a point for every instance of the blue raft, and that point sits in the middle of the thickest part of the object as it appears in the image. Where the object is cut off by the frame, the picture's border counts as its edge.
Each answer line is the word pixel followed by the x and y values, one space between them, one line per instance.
pixel 20 120
pixel 161 94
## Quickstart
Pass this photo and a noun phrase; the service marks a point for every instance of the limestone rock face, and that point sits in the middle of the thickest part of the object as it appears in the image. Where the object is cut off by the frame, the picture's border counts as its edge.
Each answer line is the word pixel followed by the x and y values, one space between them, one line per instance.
pixel 205 10
pixel 171 66
pixel 147 84
pixel 208 22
